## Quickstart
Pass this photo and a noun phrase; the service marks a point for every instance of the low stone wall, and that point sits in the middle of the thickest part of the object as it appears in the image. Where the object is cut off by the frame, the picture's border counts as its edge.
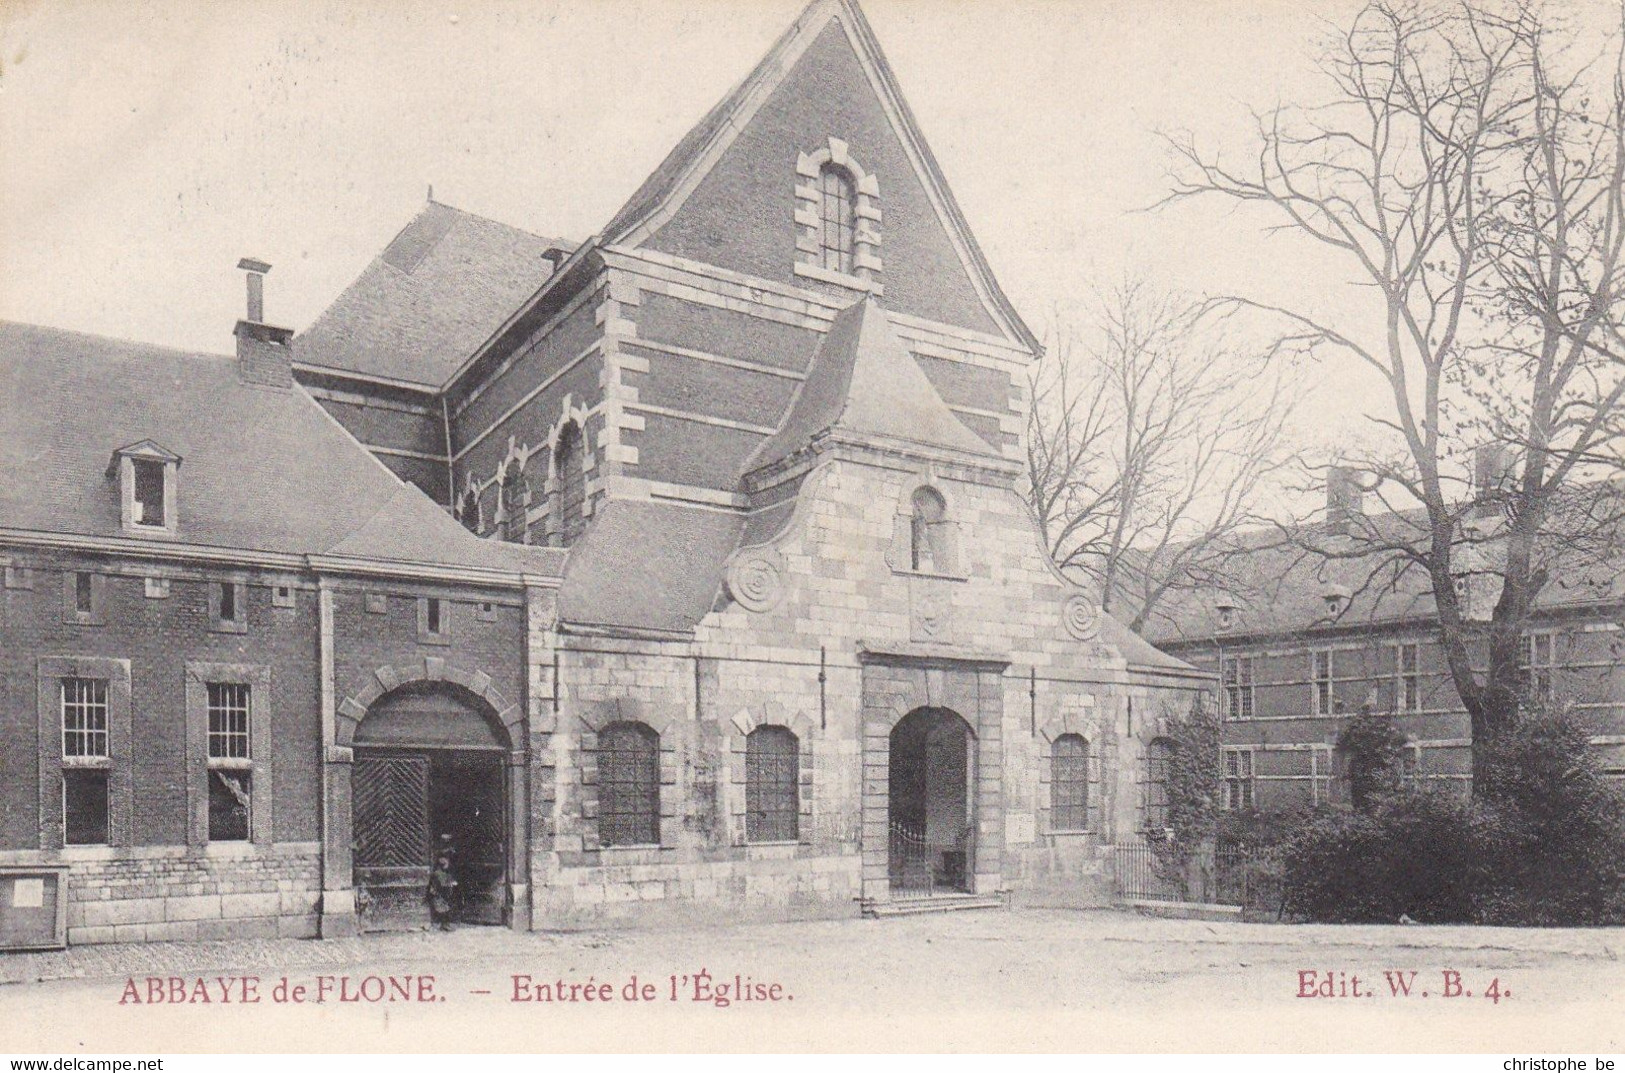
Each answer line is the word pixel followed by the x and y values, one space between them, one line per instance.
pixel 645 892
pixel 1072 872
pixel 151 894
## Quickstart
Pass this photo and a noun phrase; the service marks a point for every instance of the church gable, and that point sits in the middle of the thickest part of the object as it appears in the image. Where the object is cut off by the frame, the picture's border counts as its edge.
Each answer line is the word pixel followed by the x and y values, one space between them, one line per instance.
pixel 820 188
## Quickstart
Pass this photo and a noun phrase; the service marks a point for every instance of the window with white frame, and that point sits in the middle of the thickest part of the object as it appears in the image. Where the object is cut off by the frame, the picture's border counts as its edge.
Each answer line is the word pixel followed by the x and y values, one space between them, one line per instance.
pixel 1321 681
pixel 1322 773
pixel 1238 687
pixel 86 762
pixel 1540 660
pixel 1407 677
pixel 1238 780
pixel 230 761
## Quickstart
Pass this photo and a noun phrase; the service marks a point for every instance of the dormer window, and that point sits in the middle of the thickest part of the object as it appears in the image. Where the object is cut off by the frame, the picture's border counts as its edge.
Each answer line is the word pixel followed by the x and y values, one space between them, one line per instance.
pixel 147 476
pixel 149 492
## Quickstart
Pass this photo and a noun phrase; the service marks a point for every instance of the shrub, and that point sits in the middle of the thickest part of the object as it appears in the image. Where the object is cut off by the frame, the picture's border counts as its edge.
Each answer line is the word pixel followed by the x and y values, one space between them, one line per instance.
pixel 1375 749
pixel 1541 843
pixel 1406 857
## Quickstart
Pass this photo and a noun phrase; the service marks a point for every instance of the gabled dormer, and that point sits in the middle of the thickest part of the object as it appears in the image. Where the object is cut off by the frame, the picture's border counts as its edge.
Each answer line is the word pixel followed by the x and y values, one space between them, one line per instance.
pixel 147 475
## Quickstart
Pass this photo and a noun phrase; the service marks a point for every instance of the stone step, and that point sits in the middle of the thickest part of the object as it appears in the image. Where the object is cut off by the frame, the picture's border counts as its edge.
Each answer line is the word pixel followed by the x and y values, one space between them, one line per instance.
pixel 939 903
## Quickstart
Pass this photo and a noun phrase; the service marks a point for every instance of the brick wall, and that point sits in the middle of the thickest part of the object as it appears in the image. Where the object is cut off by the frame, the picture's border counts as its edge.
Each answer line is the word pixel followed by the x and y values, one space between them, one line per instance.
pixel 742 215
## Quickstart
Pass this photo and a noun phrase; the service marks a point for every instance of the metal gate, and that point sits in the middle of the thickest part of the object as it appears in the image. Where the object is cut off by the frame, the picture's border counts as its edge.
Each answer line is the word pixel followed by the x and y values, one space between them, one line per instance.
pixel 391 820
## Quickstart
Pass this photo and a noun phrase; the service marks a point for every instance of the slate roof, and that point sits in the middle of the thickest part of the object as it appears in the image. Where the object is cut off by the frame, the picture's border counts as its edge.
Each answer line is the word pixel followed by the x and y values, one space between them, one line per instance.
pixel 1278 583
pixel 424 305
pixel 863 380
pixel 648 565
pixel 264 469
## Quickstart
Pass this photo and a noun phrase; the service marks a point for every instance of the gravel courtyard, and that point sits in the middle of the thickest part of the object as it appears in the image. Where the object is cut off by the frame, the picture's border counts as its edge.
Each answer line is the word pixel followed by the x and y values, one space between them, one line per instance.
pixel 1024 980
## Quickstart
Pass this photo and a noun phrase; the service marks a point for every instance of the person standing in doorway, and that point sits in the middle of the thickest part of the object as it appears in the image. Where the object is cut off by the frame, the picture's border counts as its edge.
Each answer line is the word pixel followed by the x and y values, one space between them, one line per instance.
pixel 442 894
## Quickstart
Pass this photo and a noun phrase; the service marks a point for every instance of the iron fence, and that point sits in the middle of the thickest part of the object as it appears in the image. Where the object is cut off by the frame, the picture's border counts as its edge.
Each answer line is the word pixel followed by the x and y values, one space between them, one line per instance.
pixel 1226 874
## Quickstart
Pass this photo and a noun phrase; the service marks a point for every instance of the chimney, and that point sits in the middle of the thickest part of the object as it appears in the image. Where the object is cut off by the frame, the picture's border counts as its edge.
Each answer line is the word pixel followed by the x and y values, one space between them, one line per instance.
pixel 256 270
pixel 1345 500
pixel 264 355
pixel 1492 476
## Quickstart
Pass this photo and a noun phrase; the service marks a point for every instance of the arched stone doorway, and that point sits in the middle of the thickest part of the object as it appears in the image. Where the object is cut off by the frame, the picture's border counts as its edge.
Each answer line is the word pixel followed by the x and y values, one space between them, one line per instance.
pixel 931 775
pixel 431 777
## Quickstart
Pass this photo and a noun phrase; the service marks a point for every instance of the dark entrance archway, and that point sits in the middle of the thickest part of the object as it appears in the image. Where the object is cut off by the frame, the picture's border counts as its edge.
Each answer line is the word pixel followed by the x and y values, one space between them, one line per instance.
pixel 931 809
pixel 429 778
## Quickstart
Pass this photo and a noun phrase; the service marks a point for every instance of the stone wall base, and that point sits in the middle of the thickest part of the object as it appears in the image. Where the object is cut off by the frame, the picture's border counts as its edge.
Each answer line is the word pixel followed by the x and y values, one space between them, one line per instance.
pixel 161 894
pixel 697 892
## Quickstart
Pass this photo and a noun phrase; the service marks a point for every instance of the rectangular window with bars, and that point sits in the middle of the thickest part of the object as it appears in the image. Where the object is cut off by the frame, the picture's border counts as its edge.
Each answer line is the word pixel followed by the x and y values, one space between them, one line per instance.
pixel 1238 687
pixel 1408 680
pixel 772 785
pixel 84 717
pixel 230 771
pixel 1320 673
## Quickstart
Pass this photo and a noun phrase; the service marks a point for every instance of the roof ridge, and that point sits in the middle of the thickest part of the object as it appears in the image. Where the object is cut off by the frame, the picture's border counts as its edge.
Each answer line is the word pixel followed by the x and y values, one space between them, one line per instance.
pixel 155 348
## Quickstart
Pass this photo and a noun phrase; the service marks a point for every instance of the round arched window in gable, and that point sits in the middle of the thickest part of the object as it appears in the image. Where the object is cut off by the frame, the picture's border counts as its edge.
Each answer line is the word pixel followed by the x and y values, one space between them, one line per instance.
pixel 837 218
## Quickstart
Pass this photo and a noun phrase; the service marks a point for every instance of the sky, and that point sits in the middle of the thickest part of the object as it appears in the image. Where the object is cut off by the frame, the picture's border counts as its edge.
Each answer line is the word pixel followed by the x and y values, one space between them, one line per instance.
pixel 146 146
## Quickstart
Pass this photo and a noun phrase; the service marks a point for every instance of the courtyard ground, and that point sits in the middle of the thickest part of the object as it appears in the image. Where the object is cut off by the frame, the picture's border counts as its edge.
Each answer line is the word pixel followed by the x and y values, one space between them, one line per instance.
pixel 991 980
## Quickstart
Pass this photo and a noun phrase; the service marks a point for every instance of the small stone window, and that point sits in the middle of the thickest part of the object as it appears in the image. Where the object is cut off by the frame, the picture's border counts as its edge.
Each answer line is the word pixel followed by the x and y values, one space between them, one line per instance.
pixel 468 512
pixel 434 620
pixel 228 606
pixel 282 596
pixel 1069 783
pixel 772 785
pixel 927 532
pixel 230 764
pixel 628 785
pixel 515 502
pixel 570 464
pixel 84 595
pixel 837 216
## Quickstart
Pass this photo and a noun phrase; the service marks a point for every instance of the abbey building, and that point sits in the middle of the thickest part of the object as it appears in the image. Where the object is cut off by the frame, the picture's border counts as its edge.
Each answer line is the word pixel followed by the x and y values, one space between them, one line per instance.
pixel 678 573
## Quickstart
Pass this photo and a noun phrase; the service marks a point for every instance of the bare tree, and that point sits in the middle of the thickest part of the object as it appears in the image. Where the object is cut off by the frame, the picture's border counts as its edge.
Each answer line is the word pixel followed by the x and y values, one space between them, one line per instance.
pixel 1476 193
pixel 1150 441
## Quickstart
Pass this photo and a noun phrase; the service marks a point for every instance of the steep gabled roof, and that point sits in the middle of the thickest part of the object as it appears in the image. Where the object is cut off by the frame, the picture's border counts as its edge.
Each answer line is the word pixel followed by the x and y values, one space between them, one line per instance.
pixel 702 146
pixel 425 304
pixel 267 469
pixel 864 381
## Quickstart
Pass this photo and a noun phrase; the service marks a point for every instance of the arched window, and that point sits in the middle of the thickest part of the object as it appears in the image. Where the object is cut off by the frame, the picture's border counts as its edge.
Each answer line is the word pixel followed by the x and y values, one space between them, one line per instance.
pixel 1159 755
pixel 515 500
pixel 772 785
pixel 468 511
pixel 926 531
pixel 628 785
pixel 572 484
pixel 837 215
pixel 1069 783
